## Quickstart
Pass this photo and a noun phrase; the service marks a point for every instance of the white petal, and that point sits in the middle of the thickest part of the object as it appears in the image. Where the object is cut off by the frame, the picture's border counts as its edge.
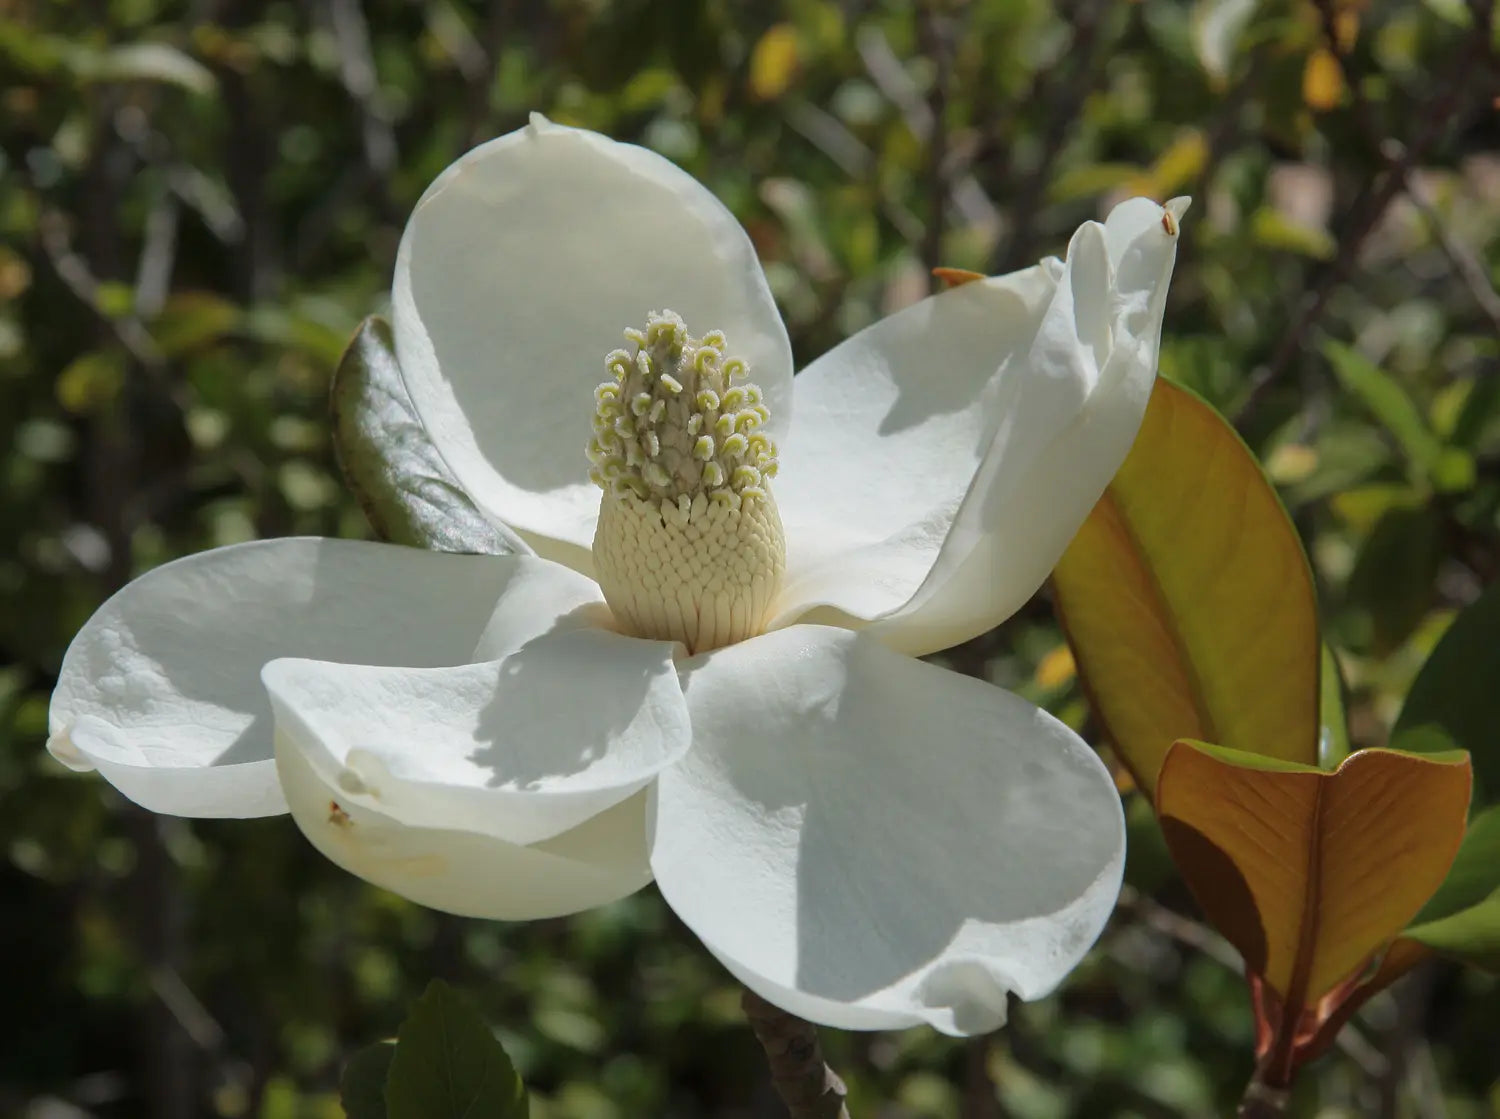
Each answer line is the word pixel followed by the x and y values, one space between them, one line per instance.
pixel 520 749
pixel 940 461
pixel 464 872
pixel 1027 502
pixel 520 269
pixel 872 842
pixel 161 688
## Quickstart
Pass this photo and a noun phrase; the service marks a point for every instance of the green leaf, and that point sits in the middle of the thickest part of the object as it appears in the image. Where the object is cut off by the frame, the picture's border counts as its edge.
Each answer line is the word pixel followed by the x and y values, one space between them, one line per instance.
pixel 1396 571
pixel 403 484
pixel 1477 427
pixel 1273 230
pixel 1333 734
pixel 1454 703
pixel 1471 935
pixel 1475 874
pixel 1447 469
pixel 448 1065
pixel 362 1087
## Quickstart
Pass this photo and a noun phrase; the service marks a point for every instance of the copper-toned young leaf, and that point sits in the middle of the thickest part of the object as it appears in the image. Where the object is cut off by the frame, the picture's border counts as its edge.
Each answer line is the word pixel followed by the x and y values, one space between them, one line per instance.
pixel 1306 872
pixel 1187 598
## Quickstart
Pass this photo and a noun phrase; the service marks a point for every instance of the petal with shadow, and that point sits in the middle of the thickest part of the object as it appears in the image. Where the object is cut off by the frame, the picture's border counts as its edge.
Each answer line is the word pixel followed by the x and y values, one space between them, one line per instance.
pixel 465 872
pixel 521 749
pixel 519 270
pixel 872 842
pixel 161 692
pixel 962 443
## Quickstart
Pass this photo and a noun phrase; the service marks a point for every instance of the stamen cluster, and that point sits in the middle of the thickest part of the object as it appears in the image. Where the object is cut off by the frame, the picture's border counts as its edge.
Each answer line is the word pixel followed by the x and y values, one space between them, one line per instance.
pixel 678 418
pixel 689 545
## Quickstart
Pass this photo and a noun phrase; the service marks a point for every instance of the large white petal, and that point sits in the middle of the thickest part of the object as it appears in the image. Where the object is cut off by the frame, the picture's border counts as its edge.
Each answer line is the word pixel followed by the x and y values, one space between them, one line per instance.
pixel 953 496
pixel 521 748
pixel 161 688
pixel 519 270
pixel 889 428
pixel 465 872
pixel 872 842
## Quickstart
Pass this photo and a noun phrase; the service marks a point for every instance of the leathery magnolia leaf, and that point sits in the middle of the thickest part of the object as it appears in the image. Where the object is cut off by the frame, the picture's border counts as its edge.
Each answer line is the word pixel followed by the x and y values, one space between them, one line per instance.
pixel 1308 872
pixel 1187 598
pixel 362 1087
pixel 1454 703
pixel 449 1066
pixel 1463 918
pixel 403 485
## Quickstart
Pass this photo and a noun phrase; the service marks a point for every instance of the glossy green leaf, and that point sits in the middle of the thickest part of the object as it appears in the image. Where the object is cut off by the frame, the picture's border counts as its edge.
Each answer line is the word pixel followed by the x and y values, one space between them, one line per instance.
pixel 362 1087
pixel 402 483
pixel 448 1065
pixel 1454 703
pixel 1475 874
pixel 1447 469
pixel 1471 935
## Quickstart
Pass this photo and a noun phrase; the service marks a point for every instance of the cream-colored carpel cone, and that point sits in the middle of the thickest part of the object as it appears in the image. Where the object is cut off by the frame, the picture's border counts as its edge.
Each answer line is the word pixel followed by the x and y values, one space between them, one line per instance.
pixel 689 545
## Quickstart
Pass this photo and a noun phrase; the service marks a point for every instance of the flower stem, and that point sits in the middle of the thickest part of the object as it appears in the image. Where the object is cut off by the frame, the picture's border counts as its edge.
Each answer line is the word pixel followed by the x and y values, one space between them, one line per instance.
pixel 1261 1101
pixel 810 1089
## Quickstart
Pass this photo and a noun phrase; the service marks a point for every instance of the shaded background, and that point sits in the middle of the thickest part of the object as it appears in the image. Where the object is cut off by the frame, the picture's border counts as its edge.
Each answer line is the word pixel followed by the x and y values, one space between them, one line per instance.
pixel 198 203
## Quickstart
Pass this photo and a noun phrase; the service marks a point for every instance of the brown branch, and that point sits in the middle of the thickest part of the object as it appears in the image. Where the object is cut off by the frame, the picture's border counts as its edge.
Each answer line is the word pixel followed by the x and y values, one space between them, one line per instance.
pixel 889 75
pixel 1393 155
pixel 1437 113
pixel 1064 100
pixel 932 35
pixel 810 1089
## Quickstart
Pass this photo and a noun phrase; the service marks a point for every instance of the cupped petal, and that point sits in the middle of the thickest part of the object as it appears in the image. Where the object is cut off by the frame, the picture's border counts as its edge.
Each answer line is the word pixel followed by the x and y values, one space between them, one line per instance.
pixel 889 429
pixel 522 748
pixel 160 691
pixel 941 460
pixel 517 274
pixel 1030 495
pixel 465 872
pixel 872 842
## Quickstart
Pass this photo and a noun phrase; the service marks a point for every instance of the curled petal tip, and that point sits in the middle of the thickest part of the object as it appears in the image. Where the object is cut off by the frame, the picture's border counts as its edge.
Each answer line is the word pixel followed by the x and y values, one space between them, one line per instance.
pixel 966 997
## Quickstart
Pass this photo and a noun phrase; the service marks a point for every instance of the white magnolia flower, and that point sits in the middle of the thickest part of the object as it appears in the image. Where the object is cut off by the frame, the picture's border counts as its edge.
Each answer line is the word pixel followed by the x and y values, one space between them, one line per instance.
pixel 867 840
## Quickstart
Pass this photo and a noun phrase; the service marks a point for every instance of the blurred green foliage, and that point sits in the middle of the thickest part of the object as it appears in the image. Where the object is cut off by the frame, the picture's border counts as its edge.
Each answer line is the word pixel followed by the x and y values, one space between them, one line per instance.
pixel 199 201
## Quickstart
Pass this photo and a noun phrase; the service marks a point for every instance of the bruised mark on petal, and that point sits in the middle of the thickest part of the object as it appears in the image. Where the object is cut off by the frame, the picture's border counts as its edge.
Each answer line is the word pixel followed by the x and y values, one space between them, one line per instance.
pixel 1169 223
pixel 337 816
pixel 957 277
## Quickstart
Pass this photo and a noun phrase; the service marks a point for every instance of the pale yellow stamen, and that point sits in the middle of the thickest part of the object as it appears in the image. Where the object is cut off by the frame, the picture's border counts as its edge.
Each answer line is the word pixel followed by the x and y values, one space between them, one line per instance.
pixel 689 545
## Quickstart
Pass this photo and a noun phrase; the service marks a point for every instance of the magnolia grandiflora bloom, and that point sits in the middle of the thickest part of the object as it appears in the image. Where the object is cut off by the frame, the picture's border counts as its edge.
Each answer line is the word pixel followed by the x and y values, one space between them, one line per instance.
pixel 699 664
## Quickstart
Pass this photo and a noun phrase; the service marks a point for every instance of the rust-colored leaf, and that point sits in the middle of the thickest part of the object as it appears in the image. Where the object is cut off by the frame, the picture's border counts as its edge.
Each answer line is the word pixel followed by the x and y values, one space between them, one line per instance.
pixel 1309 873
